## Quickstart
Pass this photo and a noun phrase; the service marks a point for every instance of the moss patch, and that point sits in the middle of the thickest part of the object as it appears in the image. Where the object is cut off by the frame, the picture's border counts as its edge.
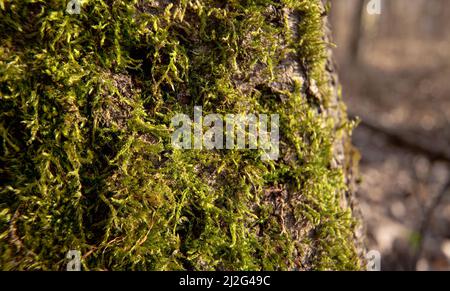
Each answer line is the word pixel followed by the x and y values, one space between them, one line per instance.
pixel 86 159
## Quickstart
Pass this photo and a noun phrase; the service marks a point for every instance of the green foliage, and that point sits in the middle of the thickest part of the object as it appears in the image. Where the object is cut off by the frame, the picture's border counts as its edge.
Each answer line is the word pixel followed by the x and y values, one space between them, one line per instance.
pixel 86 159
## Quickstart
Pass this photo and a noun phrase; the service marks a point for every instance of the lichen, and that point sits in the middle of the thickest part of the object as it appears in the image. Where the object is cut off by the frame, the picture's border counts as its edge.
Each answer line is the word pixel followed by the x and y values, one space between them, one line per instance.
pixel 86 158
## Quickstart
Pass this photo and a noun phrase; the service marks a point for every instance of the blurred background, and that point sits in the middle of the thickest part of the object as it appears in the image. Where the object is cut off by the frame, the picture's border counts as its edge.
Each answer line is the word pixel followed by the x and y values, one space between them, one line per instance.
pixel 394 69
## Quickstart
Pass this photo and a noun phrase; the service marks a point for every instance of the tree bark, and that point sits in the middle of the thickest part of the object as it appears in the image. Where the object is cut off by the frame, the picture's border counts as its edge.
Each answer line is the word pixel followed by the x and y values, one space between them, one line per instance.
pixel 87 102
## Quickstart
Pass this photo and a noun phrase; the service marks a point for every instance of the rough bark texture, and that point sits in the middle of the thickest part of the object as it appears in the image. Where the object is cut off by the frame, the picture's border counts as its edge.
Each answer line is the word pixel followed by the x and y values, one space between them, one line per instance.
pixel 85 128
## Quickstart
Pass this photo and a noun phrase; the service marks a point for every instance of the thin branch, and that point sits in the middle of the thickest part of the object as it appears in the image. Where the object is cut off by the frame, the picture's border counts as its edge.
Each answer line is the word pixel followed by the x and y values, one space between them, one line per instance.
pixel 428 217
pixel 409 142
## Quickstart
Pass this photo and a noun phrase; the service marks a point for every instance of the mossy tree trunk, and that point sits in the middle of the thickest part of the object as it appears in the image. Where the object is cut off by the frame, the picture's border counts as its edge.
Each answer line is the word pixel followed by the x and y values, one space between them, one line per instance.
pixel 86 158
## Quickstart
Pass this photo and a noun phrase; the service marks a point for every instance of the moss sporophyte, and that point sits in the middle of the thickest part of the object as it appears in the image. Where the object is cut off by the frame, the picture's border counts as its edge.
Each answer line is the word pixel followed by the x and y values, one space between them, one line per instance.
pixel 236 133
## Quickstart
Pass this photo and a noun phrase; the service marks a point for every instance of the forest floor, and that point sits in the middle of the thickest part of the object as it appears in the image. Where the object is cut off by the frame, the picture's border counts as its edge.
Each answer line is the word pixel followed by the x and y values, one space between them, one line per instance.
pixel 400 89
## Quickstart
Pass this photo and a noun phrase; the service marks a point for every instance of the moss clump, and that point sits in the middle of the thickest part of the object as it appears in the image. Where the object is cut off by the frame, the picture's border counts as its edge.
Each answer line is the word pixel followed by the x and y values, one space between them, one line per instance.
pixel 86 159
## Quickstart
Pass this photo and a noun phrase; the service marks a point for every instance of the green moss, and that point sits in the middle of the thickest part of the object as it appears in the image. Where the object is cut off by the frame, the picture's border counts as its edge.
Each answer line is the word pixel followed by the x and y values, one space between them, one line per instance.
pixel 86 159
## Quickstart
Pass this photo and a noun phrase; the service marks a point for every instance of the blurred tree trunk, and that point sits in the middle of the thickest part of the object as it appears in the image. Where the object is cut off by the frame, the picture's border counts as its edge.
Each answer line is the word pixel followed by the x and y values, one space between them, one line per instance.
pixel 357 28
pixel 388 23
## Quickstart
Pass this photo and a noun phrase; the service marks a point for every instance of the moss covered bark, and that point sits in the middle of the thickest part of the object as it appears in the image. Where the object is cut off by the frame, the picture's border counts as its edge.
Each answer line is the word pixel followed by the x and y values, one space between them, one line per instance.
pixel 85 153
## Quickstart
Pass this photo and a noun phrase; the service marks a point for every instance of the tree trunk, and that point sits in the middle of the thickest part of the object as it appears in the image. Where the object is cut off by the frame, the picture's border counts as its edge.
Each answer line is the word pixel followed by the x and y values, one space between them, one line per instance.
pixel 87 159
pixel 356 34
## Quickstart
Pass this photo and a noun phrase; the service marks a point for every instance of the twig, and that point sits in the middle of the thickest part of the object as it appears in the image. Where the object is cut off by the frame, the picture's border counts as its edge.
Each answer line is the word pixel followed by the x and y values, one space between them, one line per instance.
pixel 409 142
pixel 15 240
pixel 426 222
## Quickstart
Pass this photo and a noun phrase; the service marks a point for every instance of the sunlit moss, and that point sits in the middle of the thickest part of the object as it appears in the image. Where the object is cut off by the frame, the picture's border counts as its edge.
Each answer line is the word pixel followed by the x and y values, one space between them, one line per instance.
pixel 86 159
